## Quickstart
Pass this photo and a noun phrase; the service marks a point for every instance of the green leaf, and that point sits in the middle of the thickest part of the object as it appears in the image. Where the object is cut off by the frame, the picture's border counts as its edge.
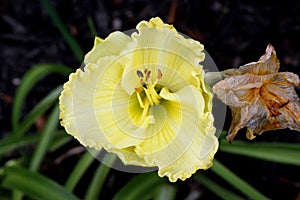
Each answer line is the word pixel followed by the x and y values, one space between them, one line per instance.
pixel 75 47
pixel 166 191
pixel 140 186
pixel 215 187
pixel 99 178
pixel 275 152
pixel 38 110
pixel 33 184
pixel 46 137
pixel 60 140
pixel 80 168
pixel 91 26
pixel 236 181
pixel 28 82
pixel 10 143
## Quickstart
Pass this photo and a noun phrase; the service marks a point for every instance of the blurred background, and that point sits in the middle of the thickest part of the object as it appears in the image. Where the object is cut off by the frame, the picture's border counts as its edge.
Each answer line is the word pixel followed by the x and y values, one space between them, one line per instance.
pixel 34 33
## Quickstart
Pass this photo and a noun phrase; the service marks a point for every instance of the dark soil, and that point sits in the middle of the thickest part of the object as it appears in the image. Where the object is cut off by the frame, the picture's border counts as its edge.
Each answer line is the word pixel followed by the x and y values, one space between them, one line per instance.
pixel 233 32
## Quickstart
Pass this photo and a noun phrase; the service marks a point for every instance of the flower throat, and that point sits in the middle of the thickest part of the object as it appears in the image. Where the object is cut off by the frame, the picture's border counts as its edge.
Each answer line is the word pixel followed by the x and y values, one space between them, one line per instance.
pixel 150 89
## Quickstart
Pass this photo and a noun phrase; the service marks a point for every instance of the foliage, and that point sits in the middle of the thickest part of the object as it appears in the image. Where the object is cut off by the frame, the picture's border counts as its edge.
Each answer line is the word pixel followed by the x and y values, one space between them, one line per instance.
pixel 22 175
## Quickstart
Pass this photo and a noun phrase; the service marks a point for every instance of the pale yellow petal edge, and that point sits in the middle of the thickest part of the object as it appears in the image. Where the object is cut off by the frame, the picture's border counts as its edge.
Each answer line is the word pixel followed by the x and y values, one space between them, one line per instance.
pixel 65 100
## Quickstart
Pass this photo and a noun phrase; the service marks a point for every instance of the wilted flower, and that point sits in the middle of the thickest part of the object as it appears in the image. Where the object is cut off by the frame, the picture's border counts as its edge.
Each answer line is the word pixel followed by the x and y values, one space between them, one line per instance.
pixel 260 97
pixel 144 98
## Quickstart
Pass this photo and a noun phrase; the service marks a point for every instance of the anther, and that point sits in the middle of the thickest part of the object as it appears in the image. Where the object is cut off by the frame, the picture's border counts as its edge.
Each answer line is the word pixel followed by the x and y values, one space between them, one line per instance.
pixel 159 74
pixel 143 83
pixel 145 70
pixel 140 74
pixel 148 73
pixel 138 90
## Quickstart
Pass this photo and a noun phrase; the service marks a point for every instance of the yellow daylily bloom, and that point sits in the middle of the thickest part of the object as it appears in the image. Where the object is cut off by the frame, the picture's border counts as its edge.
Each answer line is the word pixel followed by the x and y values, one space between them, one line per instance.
pixel 143 97
pixel 260 97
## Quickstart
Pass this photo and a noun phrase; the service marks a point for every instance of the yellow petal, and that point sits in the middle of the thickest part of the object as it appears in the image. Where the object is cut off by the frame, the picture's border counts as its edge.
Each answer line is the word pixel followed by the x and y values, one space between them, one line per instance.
pixel 126 155
pixel 177 71
pixel 199 156
pixel 155 22
pixel 172 125
pixel 205 90
pixel 183 136
pixel 159 46
pixel 111 46
pixel 94 108
pixel 77 108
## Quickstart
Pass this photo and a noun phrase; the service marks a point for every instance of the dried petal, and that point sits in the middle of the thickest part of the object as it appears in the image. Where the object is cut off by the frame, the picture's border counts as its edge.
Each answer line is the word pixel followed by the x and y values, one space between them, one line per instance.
pixel 260 98
pixel 267 64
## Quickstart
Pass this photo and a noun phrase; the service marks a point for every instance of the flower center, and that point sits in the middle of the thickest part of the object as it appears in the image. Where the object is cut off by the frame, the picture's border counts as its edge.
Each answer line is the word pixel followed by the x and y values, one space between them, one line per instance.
pixel 151 96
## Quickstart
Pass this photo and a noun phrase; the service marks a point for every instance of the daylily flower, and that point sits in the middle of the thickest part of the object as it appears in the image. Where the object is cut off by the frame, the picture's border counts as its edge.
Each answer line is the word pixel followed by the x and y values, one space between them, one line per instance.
pixel 260 97
pixel 143 97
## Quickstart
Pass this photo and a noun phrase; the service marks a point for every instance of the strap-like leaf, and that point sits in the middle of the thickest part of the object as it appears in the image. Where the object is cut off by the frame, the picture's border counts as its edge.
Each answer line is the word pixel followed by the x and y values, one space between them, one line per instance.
pixel 140 186
pixel 81 167
pixel 34 184
pixel 46 137
pixel 166 191
pixel 99 177
pixel 29 80
pixel 10 143
pixel 76 49
pixel 236 181
pixel 275 152
pixel 215 188
pixel 38 110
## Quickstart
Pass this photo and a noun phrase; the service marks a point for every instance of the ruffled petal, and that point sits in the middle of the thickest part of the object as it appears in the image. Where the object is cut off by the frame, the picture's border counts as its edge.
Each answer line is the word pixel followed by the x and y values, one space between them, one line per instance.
pixel 176 56
pixel 184 134
pixel 129 157
pixel 77 107
pixel 111 46
pixel 199 156
pixel 163 119
pixel 155 22
pixel 94 108
pixel 177 72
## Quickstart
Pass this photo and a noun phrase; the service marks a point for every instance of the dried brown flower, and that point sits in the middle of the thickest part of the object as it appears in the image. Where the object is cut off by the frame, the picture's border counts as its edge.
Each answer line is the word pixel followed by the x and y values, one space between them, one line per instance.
pixel 260 97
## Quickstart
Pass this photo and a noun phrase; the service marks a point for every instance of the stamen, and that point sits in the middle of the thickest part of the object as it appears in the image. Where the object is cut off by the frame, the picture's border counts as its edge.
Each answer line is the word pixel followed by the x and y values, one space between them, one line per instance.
pixel 155 97
pixel 145 112
pixel 148 75
pixel 145 70
pixel 159 74
pixel 151 98
pixel 143 83
pixel 138 92
pixel 148 97
pixel 140 74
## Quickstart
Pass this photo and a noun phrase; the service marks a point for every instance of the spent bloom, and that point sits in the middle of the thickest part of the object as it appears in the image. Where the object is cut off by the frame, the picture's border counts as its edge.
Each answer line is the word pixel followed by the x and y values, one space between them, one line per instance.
pixel 143 97
pixel 260 97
